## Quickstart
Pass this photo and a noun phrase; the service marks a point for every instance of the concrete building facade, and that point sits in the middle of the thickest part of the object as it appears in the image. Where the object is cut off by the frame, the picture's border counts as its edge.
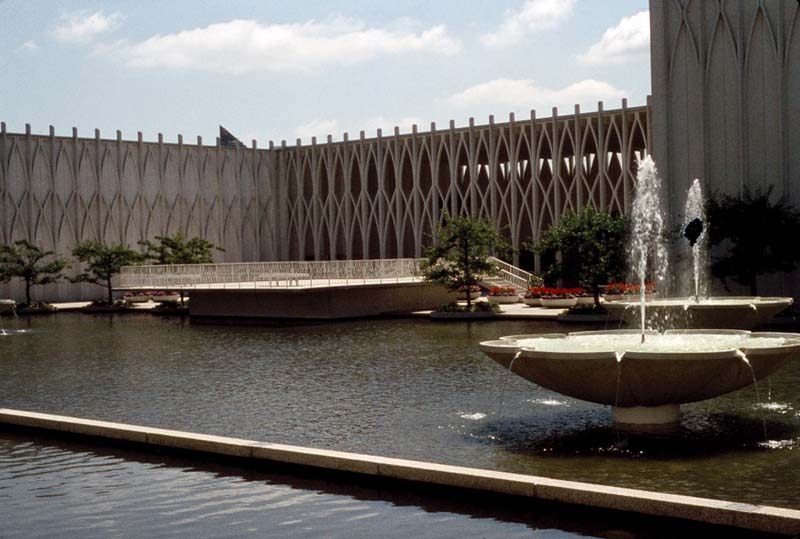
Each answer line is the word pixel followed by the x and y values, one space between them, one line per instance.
pixel 726 95
pixel 725 109
pixel 367 198
pixel 726 101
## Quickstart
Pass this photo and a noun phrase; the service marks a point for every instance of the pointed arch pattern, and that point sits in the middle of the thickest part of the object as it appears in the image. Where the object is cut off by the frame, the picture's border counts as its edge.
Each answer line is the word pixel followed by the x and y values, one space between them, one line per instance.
pixel 56 191
pixel 367 198
pixel 384 197
pixel 726 94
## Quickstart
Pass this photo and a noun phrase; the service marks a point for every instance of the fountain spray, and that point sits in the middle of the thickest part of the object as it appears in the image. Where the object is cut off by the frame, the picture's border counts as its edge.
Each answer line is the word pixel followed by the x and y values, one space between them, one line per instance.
pixel 647 242
pixel 694 230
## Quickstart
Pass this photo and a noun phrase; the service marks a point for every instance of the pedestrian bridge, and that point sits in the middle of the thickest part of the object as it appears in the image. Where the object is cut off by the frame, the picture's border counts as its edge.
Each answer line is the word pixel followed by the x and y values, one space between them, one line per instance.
pixel 294 274
pixel 303 290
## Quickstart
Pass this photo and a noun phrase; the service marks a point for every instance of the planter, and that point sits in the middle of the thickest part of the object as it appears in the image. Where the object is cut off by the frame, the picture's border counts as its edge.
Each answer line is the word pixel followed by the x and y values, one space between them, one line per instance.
pixel 584 301
pixel 7 305
pixel 137 299
pixel 473 295
pixel 503 300
pixel 629 297
pixel 532 302
pixel 560 303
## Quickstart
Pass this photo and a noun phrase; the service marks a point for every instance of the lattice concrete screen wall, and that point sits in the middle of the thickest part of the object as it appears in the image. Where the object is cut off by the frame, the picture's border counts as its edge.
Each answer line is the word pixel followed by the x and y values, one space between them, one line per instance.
pixel 366 198
pixel 382 197
pixel 55 191
pixel 726 94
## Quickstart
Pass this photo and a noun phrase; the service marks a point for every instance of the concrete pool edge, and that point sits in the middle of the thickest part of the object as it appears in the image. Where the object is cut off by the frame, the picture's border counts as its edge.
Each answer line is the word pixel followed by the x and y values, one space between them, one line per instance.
pixel 715 512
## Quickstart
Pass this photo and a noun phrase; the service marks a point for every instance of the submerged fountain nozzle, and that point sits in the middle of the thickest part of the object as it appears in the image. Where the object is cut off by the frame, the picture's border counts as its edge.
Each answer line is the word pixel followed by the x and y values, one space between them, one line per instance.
pixel 693 230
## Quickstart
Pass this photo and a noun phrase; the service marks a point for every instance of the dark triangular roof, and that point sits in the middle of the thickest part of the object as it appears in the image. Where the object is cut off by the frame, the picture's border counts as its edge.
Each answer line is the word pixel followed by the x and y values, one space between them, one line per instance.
pixel 227 140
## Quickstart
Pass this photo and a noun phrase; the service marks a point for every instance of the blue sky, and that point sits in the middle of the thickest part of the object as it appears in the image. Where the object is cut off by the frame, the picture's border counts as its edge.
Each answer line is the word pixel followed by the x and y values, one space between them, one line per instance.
pixel 280 70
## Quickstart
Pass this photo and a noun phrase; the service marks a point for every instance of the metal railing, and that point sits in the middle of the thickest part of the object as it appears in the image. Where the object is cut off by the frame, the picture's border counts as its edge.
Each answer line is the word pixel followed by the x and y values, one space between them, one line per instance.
pixel 516 276
pixel 269 274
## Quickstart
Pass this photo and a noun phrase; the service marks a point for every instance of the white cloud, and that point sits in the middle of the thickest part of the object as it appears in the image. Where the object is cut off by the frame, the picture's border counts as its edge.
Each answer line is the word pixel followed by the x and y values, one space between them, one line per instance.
pixel 533 15
pixel 323 127
pixel 29 46
pixel 246 45
pixel 628 40
pixel 81 27
pixel 524 94
pixel 371 125
pixel 317 128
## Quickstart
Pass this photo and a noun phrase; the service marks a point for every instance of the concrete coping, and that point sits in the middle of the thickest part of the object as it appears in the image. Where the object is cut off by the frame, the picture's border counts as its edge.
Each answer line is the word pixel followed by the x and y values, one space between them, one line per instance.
pixel 717 512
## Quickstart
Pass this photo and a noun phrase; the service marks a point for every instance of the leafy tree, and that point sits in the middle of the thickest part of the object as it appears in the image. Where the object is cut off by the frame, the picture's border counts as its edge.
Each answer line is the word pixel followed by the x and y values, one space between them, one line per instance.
pixel 178 249
pixel 591 244
pixel 761 236
pixel 459 255
pixel 103 261
pixel 24 260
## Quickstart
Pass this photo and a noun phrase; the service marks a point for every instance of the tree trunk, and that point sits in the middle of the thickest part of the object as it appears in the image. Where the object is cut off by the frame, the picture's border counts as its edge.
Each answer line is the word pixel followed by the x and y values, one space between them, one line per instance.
pixel 596 294
pixel 28 291
pixel 467 275
pixel 110 292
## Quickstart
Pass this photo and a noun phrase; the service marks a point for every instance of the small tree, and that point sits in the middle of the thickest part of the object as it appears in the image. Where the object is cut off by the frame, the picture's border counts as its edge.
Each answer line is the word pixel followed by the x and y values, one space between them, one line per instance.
pixel 761 237
pixel 103 261
pixel 459 255
pixel 178 249
pixel 591 245
pixel 24 260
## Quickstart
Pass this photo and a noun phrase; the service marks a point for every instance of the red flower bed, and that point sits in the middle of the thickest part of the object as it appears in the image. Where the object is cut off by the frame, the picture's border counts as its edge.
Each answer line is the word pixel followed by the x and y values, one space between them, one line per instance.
pixel 556 293
pixel 502 291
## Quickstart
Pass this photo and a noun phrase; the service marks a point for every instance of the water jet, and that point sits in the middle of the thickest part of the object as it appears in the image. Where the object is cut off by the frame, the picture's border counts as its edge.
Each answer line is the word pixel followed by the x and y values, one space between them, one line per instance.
pixel 645 375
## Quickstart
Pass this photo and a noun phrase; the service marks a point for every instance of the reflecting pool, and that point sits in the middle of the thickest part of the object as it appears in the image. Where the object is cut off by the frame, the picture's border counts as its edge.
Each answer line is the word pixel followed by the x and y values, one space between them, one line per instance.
pixel 403 388
pixel 51 487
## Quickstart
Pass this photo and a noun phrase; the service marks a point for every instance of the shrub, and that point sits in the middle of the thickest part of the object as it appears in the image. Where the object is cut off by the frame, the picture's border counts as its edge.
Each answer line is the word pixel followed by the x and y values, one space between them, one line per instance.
pixel 591 245
pixel 27 261
pixel 459 255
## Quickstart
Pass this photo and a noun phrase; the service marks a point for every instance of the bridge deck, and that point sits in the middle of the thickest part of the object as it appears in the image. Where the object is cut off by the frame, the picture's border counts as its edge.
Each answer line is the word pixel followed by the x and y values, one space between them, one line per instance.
pixel 273 284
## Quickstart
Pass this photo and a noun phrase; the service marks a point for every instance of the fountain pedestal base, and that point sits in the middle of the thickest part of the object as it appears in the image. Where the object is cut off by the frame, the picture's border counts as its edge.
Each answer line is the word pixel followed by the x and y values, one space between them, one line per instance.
pixel 644 416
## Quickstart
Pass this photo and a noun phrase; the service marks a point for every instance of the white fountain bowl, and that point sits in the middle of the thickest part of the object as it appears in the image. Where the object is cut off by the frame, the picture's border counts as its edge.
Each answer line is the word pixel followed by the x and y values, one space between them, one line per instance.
pixel 735 312
pixel 7 305
pixel 646 383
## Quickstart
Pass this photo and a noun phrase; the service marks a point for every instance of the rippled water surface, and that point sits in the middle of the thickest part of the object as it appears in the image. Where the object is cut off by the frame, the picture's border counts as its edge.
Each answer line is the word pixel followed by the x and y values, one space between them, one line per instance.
pixel 411 389
pixel 57 488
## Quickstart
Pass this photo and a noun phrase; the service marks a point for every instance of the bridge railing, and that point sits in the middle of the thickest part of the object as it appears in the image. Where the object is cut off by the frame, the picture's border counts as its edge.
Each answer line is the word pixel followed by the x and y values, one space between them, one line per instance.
pixel 519 277
pixel 269 274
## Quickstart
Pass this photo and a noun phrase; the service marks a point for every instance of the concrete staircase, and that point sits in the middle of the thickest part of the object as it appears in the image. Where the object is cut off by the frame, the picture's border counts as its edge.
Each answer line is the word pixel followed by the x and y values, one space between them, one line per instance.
pixel 509 276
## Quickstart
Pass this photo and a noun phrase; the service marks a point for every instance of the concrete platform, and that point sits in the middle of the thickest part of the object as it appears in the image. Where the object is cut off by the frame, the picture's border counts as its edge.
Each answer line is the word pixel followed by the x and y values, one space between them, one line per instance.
pixel 319 302
pixel 513 311
pixel 484 482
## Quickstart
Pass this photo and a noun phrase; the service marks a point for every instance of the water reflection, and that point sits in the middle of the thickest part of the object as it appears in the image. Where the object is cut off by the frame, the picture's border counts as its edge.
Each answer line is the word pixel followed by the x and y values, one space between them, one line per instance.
pixel 410 389
pixel 56 487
